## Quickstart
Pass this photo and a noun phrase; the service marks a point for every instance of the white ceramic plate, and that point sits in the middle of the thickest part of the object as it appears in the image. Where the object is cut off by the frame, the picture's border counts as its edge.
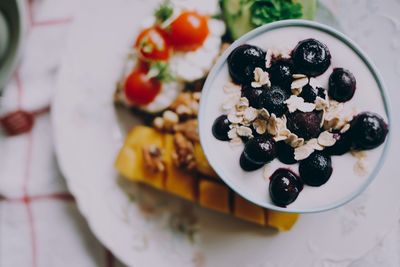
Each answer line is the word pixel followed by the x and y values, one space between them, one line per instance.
pixel 143 227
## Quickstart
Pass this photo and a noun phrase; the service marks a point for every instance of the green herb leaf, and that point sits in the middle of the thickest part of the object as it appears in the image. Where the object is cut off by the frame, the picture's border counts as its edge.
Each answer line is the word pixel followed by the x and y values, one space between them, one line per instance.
pixel 266 11
pixel 164 12
pixel 161 71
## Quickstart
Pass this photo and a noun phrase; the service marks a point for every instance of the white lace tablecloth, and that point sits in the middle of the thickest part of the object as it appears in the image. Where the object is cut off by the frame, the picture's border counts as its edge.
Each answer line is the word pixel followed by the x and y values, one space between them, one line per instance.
pixel 40 225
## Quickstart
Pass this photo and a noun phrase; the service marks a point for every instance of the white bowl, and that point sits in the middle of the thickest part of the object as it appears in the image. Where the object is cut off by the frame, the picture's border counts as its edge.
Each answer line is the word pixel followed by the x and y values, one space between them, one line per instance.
pixel 370 95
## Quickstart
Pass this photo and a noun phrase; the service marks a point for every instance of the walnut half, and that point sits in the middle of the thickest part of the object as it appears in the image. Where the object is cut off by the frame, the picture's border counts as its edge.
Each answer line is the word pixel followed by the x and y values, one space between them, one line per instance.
pixel 183 156
pixel 153 158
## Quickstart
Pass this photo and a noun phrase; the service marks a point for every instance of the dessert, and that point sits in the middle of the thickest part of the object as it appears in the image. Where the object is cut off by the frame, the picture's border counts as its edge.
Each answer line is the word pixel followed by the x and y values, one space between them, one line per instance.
pixel 294 105
pixel 163 77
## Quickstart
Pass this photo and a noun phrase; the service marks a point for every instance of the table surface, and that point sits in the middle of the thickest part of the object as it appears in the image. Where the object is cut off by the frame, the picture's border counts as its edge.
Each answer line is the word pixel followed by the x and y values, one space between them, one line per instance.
pixel 39 221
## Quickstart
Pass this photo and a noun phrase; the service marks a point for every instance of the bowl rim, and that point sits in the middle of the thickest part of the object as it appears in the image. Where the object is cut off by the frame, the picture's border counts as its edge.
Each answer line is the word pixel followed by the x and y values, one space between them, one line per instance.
pixel 336 34
pixel 14 51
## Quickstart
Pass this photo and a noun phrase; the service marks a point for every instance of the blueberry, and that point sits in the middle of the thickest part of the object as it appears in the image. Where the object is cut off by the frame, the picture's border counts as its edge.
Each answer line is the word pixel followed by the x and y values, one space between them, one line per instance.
pixel 304 124
pixel 316 169
pixel 285 153
pixel 311 57
pixel 273 99
pixel 368 130
pixel 253 95
pixel 281 73
pixel 243 60
pixel 221 128
pixel 284 187
pixel 309 93
pixel 260 150
pixel 342 145
pixel 342 85
pixel 248 165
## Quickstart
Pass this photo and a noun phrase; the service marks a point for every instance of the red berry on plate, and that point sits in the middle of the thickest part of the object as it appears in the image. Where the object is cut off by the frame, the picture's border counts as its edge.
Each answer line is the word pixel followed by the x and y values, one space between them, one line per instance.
pixel 140 89
pixel 189 31
pixel 153 44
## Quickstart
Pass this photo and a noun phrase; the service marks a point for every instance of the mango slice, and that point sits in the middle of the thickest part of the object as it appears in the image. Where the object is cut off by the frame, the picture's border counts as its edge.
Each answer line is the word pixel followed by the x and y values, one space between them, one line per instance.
pixel 214 196
pixel 282 221
pixel 130 162
pixel 178 182
pixel 248 211
pixel 201 161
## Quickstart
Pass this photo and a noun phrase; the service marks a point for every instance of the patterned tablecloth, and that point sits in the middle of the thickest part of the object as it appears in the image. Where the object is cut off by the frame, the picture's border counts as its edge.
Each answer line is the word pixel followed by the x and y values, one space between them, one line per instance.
pixel 39 221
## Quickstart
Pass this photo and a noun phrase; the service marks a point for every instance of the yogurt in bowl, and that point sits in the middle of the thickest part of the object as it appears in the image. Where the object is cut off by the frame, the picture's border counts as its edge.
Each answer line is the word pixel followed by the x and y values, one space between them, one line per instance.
pixel 304 122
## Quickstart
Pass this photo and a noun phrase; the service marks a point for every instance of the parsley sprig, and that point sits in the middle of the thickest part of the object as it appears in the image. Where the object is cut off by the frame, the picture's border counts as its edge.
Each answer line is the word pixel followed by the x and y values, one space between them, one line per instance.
pixel 266 11
pixel 164 12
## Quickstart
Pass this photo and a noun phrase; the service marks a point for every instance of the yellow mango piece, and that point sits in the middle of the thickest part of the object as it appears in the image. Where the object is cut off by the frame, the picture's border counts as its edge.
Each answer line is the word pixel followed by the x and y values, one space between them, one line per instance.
pixel 214 196
pixel 143 135
pixel 248 211
pixel 201 161
pixel 179 182
pixel 125 162
pixel 282 221
pixel 130 163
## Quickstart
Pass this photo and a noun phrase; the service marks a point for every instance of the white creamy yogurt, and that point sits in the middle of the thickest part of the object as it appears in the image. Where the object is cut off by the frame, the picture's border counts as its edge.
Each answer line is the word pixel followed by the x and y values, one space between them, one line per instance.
pixel 344 182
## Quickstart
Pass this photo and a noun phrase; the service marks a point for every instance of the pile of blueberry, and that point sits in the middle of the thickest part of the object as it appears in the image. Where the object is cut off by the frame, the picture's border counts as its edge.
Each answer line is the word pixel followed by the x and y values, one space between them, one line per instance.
pixel 312 58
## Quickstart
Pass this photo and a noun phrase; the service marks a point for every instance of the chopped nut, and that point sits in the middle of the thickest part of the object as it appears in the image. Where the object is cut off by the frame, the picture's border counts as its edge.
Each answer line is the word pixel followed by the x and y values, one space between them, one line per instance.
pixel 183 155
pixel 297 103
pixel 268 58
pixel 276 125
pixel 158 123
pixel 298 76
pixel 183 110
pixel 345 128
pixel 242 104
pixel 320 103
pixel 232 133
pixel 250 114
pixel 264 113
pixel 153 158
pixel 244 131
pixel 261 78
pixel 299 83
pixel 186 104
pixel 314 144
pixel 302 152
pixel 196 96
pixel 170 119
pixel 260 126
pixel 294 141
pixel 326 139
pixel 234 118
pixel 189 129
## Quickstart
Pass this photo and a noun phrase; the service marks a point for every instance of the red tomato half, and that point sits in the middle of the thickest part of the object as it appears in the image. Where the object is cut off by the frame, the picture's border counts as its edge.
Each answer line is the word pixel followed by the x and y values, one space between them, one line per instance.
pixel 188 31
pixel 153 44
pixel 140 89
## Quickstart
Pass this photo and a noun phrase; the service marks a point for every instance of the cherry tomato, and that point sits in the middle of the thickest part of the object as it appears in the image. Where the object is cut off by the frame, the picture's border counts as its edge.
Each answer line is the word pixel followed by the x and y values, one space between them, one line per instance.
pixel 140 89
pixel 188 31
pixel 153 44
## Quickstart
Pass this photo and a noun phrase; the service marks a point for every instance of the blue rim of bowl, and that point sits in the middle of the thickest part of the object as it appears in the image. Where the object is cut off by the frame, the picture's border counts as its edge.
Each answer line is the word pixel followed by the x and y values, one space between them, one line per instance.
pixel 13 53
pixel 347 41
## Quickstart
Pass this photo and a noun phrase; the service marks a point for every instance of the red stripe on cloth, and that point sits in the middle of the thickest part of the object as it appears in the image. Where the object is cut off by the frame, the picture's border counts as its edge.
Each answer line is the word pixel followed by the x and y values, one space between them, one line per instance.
pixel 50 22
pixel 63 196
pixel 27 200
